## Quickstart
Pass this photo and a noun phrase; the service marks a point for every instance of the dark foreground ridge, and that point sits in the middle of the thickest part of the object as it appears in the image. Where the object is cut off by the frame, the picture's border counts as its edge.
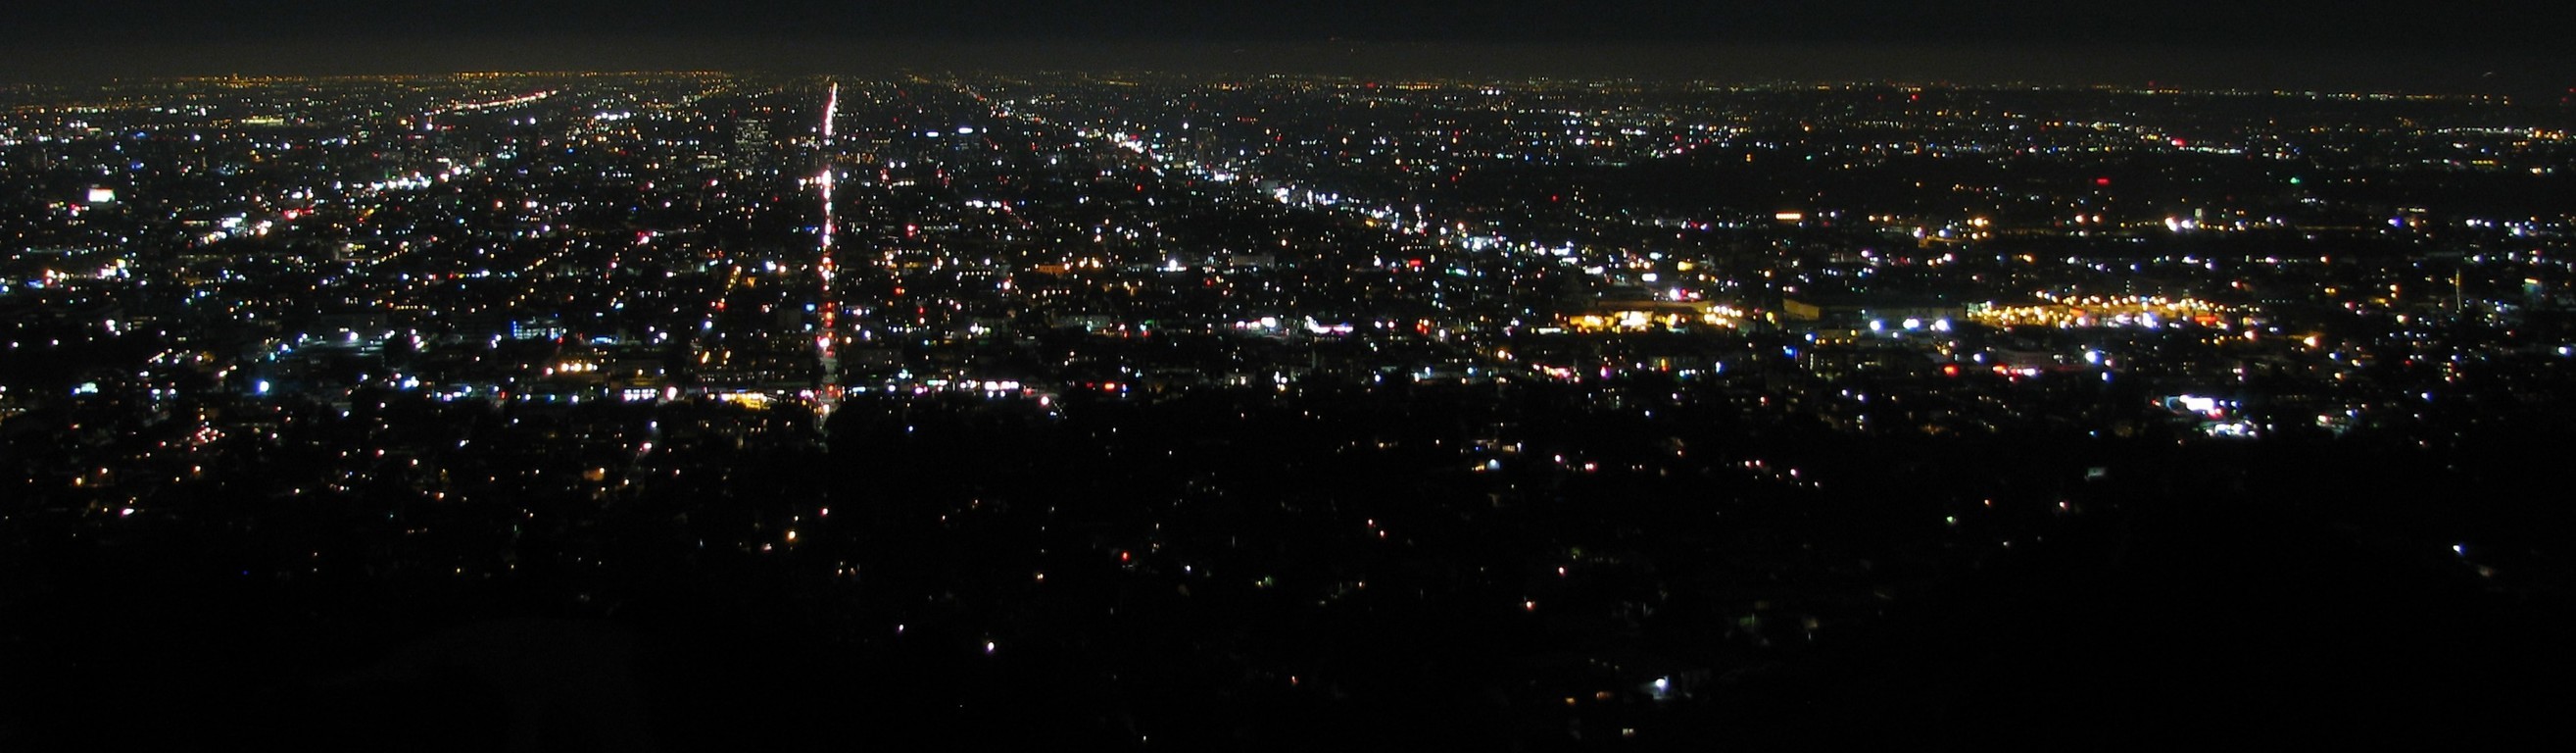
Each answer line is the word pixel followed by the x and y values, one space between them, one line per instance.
pixel 2194 595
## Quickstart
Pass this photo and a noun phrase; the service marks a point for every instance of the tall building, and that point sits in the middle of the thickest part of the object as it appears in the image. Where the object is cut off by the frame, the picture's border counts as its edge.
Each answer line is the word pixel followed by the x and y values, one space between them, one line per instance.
pixel 752 144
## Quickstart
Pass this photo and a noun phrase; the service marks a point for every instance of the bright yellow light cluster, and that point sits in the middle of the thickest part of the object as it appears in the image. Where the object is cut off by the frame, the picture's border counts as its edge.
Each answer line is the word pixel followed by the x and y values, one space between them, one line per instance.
pixel 2104 311
pixel 1640 320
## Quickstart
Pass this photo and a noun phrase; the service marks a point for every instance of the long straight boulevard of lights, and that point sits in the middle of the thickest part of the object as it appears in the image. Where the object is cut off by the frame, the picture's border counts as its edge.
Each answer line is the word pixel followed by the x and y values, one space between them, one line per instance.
pixel 827 394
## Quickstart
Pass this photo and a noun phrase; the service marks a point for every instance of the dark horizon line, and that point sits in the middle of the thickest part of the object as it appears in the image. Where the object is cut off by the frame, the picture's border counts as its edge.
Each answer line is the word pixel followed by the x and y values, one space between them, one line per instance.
pixel 2500 71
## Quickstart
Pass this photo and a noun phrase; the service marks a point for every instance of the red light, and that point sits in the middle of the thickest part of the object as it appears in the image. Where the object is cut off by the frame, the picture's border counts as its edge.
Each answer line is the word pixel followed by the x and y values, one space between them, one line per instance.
pixel 2101 181
pixel 1949 369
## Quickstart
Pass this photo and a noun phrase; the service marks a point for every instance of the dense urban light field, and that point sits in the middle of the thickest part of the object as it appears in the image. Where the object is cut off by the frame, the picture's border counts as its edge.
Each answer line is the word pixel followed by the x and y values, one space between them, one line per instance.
pixel 700 410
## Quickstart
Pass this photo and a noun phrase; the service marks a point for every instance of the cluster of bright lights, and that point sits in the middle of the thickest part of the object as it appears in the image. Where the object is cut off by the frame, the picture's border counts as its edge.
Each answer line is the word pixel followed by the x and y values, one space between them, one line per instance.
pixel 500 103
pixel 2104 311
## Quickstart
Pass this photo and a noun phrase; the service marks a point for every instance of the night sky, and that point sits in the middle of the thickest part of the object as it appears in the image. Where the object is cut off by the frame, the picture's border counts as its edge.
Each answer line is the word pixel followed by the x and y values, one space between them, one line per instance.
pixel 2465 45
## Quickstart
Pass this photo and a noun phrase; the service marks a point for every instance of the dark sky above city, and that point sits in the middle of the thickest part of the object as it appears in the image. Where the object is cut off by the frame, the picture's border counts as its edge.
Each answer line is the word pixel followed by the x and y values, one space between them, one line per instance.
pixel 2455 45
